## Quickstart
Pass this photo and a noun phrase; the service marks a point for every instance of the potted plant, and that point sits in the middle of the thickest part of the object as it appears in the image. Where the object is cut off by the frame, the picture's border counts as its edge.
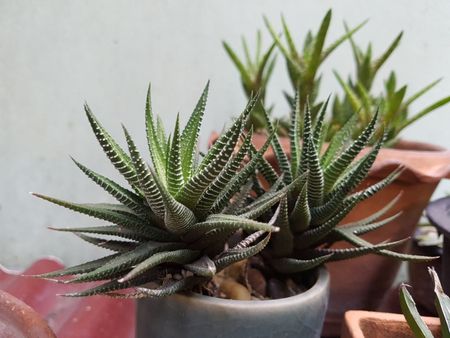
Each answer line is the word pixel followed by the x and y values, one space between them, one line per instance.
pixel 425 164
pixel 366 324
pixel 204 225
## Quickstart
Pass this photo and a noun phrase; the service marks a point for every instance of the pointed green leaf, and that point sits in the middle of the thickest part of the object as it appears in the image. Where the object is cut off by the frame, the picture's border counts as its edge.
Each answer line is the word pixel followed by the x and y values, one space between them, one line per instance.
pixel 124 196
pixel 293 265
pixel 283 241
pixel 189 136
pixel 165 290
pixel 107 213
pixel 146 182
pixel 181 256
pixel 155 148
pixel 442 303
pixel 115 153
pixel 111 230
pixel 174 170
pixel 338 165
pixel 78 269
pixel 412 316
pixel 125 261
pixel 241 251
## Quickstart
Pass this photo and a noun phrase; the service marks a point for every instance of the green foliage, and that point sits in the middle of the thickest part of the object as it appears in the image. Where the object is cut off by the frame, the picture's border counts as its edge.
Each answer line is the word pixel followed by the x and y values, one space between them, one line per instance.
pixel 412 316
pixel 393 104
pixel 255 75
pixel 170 229
pixel 322 189
pixel 303 64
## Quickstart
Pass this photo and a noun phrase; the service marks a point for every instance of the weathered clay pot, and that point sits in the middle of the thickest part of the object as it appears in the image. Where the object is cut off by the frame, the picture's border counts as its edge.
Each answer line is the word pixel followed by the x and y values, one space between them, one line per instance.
pixel 193 315
pixel 372 276
pixel 18 320
pixel 366 324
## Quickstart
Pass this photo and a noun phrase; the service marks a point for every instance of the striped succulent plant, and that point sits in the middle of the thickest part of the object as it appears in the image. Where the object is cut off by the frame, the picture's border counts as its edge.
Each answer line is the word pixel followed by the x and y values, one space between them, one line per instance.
pixel 324 192
pixel 170 228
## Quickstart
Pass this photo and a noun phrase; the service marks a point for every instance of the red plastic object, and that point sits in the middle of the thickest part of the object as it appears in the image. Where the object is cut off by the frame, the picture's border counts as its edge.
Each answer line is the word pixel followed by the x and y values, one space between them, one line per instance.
pixel 90 317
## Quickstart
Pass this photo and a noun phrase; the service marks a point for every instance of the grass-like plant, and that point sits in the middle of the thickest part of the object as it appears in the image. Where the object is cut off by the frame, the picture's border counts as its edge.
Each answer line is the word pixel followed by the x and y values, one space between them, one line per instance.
pixel 412 316
pixel 171 226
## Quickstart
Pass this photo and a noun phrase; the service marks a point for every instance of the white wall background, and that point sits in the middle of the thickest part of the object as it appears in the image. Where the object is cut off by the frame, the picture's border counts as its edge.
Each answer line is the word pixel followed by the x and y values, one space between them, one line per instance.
pixel 55 55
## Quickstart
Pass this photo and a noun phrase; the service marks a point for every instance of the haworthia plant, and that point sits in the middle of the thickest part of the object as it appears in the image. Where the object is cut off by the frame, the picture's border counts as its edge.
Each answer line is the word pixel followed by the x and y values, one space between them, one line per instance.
pixel 323 188
pixel 412 316
pixel 170 227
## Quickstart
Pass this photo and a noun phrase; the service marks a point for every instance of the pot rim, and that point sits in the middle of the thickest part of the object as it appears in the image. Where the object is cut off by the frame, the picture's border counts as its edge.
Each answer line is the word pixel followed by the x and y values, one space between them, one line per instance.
pixel 351 326
pixel 321 285
pixel 422 162
pixel 413 145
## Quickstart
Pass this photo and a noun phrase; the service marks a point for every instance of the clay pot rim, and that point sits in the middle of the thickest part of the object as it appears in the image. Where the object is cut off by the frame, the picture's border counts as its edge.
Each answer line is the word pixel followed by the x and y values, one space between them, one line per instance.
pixel 413 145
pixel 321 285
pixel 352 327
pixel 362 314
pixel 422 162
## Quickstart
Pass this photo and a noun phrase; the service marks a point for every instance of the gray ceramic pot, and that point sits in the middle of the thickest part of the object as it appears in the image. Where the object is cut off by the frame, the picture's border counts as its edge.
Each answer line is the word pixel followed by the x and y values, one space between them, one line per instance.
pixel 194 316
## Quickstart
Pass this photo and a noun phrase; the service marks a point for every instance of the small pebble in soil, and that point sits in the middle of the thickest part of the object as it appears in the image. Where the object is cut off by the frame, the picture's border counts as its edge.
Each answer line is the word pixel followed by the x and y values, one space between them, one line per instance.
pixel 234 290
pixel 236 270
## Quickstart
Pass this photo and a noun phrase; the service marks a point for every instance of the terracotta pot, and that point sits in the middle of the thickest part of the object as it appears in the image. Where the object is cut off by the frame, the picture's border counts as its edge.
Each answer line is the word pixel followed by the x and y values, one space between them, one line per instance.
pixel 18 320
pixel 366 324
pixel 193 316
pixel 372 276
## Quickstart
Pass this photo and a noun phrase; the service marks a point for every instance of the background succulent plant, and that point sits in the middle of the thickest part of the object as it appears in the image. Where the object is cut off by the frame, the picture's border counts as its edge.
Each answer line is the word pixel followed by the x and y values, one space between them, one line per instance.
pixel 324 189
pixel 303 65
pixel 415 322
pixel 170 228
pixel 255 75
pixel 392 103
